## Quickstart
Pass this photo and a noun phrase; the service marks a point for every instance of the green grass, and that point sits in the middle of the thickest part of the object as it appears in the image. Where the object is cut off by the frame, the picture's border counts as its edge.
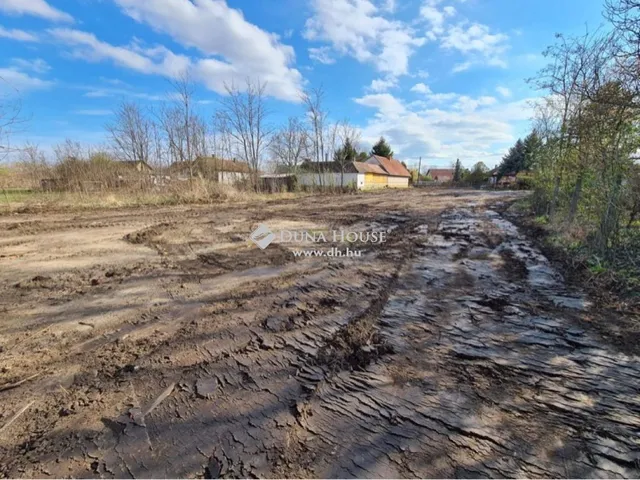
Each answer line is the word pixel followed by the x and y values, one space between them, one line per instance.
pixel 15 195
pixel 541 220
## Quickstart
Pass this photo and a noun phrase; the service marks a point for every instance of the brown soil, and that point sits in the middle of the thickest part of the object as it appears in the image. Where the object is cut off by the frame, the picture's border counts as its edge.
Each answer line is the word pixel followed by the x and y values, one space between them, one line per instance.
pixel 160 342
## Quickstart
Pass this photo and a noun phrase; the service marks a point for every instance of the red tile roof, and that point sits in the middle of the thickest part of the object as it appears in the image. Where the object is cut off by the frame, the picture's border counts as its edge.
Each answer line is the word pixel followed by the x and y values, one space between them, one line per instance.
pixel 392 166
pixel 440 172
pixel 368 168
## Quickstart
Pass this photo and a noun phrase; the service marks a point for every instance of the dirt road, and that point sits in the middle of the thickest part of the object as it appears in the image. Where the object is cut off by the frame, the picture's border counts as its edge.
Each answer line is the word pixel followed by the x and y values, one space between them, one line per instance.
pixel 161 342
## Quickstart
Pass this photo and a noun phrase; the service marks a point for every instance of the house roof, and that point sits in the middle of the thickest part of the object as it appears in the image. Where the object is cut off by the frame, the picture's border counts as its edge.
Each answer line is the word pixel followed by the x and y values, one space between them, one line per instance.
pixel 214 164
pixel 335 167
pixel 440 172
pixel 392 166
pixel 368 168
pixel 222 165
pixel 135 163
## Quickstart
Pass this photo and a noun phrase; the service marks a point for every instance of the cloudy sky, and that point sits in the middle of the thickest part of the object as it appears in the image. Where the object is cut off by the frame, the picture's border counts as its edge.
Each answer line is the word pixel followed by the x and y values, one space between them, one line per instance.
pixel 440 79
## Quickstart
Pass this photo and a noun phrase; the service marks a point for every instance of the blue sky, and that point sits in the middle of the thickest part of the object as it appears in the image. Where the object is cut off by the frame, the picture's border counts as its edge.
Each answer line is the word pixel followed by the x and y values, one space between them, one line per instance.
pixel 440 79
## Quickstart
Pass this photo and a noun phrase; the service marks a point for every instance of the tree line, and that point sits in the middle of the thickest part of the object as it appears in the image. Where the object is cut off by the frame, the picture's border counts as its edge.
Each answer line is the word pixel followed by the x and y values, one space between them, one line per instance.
pixel 237 127
pixel 583 150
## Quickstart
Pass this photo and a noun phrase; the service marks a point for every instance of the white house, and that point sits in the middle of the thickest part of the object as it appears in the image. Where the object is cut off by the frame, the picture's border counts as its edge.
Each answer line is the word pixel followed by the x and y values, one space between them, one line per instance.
pixel 357 175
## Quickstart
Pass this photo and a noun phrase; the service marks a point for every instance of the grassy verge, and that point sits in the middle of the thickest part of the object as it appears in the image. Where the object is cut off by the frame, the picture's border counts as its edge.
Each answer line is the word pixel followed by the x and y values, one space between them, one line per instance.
pixel 612 280
pixel 14 195
pixel 201 194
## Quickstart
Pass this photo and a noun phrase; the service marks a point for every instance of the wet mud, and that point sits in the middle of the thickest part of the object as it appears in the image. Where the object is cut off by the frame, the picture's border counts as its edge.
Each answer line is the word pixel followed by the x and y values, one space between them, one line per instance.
pixel 455 349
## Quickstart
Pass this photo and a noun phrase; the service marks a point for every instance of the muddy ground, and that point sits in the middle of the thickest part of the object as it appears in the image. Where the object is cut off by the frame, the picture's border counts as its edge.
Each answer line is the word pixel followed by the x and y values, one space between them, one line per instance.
pixel 160 342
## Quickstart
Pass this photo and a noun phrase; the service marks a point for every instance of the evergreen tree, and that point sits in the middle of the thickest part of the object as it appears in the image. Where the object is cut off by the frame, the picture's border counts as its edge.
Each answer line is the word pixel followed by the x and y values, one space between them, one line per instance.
pixel 514 161
pixel 457 172
pixel 362 156
pixel 532 148
pixel 382 149
pixel 345 154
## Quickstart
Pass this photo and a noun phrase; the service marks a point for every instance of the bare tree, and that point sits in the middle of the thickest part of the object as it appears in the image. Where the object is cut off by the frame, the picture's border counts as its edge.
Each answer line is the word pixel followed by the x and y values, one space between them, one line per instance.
pixel 243 116
pixel 290 145
pixel 69 149
pixel 184 129
pixel 10 118
pixel 223 144
pixel 317 117
pixel 625 38
pixel 131 133
pixel 34 163
pixel 158 146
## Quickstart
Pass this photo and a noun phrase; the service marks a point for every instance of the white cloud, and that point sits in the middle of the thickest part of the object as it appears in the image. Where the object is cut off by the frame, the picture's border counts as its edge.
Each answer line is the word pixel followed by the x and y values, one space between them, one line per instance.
pixel 461 67
pixel 436 17
pixel 443 97
pixel 88 47
pixel 37 65
pixel 477 41
pixel 421 88
pixel 472 129
pixel 322 55
pixel 36 8
pixel 359 29
pixel 12 79
pixel 449 11
pixel 504 91
pixel 469 104
pixel 241 48
pixel 19 35
pixel 386 104
pixel 389 5
pixel 383 84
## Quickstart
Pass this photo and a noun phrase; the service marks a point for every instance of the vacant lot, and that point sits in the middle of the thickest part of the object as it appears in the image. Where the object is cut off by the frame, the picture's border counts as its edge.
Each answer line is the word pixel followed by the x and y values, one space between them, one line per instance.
pixel 160 342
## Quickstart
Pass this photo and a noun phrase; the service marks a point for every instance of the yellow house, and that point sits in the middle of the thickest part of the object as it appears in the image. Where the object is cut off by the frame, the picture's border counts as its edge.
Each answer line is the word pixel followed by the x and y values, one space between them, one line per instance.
pixel 397 174
pixel 374 175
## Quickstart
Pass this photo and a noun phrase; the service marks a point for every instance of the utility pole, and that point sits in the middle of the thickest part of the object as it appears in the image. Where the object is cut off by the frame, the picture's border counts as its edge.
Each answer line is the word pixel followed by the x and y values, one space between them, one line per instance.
pixel 419 169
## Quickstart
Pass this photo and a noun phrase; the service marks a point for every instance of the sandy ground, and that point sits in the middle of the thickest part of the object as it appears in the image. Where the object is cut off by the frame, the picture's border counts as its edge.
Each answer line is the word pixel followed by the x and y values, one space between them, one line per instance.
pixel 161 342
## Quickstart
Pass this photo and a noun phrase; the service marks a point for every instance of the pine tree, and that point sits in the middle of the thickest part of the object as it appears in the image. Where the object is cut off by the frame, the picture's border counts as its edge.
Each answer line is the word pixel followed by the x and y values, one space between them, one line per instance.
pixel 457 172
pixel 345 154
pixel 514 161
pixel 382 149
pixel 362 157
pixel 532 147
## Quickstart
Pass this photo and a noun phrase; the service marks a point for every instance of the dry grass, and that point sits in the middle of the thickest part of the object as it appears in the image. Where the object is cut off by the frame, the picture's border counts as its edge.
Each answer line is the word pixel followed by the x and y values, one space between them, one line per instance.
pixel 198 192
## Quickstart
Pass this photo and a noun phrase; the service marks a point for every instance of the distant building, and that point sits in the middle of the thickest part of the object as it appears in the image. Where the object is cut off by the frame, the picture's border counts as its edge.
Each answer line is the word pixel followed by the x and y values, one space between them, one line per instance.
pixel 397 174
pixel 441 175
pixel 212 168
pixel 137 165
pixel 509 178
pixel 358 175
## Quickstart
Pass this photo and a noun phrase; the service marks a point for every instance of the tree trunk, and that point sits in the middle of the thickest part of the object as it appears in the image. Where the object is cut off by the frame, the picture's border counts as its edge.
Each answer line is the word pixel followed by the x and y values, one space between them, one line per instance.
pixel 575 199
pixel 609 219
pixel 554 199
